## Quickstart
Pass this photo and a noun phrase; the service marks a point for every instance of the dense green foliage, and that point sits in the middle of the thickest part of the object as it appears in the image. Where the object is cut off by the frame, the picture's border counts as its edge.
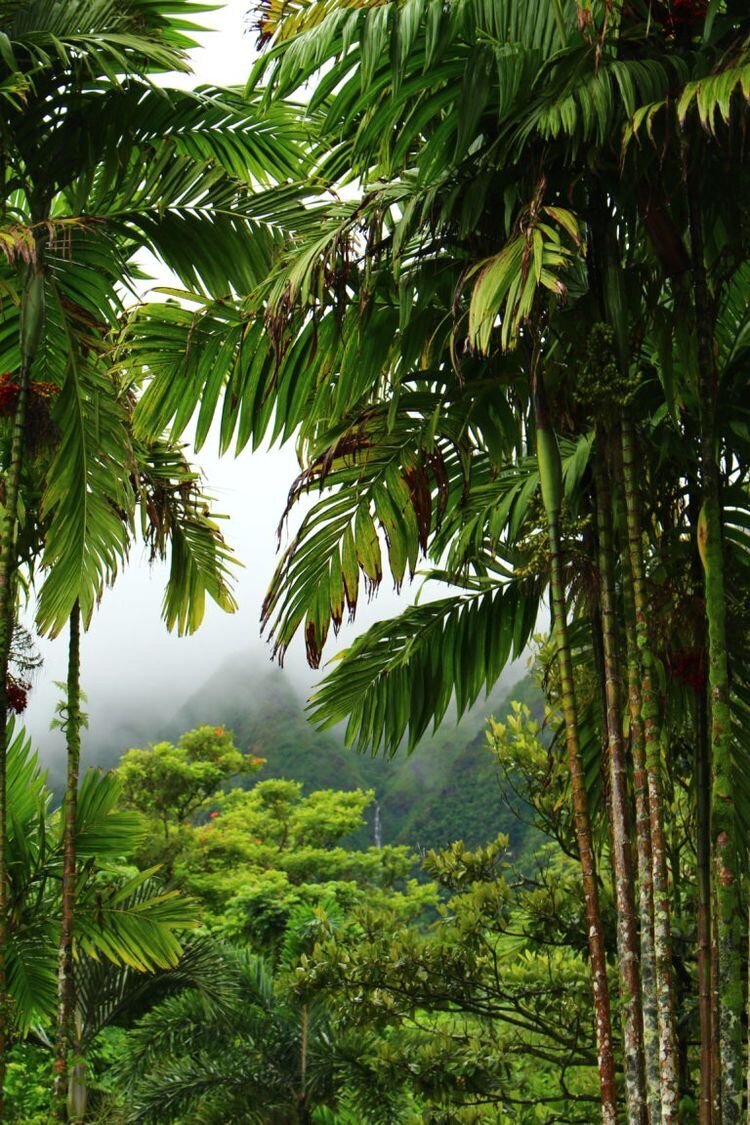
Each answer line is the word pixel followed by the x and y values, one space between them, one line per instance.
pixel 445 790
pixel 380 976
pixel 487 261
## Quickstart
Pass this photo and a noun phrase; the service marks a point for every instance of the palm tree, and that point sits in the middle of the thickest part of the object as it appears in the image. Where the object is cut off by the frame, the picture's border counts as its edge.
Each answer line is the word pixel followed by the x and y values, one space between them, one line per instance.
pixel 108 995
pixel 271 1055
pixel 114 166
pixel 126 919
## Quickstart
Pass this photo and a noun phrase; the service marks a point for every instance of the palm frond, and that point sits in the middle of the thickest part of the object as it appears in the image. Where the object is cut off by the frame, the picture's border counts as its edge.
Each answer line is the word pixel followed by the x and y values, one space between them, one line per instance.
pixel 133 923
pixel 104 831
pixel 401 674
pixel 387 477
pixel 85 497
pixel 107 993
pixel 104 37
pixel 176 523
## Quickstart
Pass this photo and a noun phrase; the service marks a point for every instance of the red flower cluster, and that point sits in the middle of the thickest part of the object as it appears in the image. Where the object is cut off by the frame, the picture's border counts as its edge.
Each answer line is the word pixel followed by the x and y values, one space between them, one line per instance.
pixel 17 694
pixel 8 395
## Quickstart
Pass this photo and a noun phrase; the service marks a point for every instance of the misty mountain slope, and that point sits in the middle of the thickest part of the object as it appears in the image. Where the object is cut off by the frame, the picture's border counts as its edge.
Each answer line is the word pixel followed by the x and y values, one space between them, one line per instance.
pixel 447 789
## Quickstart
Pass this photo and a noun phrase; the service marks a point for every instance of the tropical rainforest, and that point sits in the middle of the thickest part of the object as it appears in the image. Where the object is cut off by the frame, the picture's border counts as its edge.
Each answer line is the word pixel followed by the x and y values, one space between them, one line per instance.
pixel 486 263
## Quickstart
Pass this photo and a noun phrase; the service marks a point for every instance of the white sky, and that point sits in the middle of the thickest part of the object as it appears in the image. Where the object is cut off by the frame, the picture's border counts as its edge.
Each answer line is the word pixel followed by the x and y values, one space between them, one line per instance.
pixel 129 661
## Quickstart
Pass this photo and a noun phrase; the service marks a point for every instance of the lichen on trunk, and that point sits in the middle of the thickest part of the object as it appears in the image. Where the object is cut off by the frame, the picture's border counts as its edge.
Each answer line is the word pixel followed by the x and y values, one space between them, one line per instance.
pixel 66 979
pixel 551 482
pixel 627 934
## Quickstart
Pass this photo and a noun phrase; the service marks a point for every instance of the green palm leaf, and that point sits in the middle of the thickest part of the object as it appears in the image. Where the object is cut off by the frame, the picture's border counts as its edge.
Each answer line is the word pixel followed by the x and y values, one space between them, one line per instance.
pixel 402 674
pixel 133 923
pixel 85 498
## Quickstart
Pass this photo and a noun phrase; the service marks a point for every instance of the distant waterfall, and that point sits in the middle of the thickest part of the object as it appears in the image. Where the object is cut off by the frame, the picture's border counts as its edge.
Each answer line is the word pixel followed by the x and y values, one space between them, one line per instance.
pixel 378 827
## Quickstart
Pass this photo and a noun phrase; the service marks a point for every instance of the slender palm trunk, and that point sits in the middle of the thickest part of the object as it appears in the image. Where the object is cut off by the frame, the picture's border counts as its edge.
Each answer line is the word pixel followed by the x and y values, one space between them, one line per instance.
pixel 747 967
pixel 706 1115
pixel 77 1089
pixel 32 325
pixel 715 1045
pixel 627 932
pixel 729 915
pixel 642 836
pixel 304 1116
pixel 7 622
pixel 665 999
pixel 550 474
pixel 707 1080
pixel 66 981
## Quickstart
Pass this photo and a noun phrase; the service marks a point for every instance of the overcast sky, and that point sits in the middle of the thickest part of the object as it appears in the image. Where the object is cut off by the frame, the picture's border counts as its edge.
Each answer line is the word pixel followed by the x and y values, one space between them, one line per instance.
pixel 130 662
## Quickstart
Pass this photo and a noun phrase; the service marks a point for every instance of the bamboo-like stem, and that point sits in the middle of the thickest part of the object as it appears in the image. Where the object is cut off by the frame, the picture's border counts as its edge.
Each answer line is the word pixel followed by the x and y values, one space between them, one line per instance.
pixel 7 623
pixel 549 469
pixel 32 324
pixel 627 932
pixel 707 1080
pixel 303 1109
pixel 66 981
pixel 747 1074
pixel 729 915
pixel 642 828
pixel 715 1046
pixel 665 1000
pixel 706 1112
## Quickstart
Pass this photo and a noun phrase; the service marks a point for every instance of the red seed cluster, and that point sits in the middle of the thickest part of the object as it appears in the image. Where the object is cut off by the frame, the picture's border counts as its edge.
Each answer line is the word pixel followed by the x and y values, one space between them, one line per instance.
pixel 45 390
pixel 17 694
pixel 8 395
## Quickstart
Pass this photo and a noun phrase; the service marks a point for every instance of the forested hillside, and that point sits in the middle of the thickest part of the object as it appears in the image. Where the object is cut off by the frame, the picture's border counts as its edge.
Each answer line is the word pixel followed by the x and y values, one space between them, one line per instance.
pixel 449 788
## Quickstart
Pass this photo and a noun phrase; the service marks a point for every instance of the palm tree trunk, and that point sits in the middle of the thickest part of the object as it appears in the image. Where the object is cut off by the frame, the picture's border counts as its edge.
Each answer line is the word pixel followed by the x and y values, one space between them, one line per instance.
pixel 304 1116
pixel 715 1045
pixel 627 933
pixel 550 474
pixel 665 1000
pixel 703 888
pixel 642 833
pixel 66 981
pixel 7 622
pixel 32 326
pixel 730 920
pixel 706 1109
pixel 747 1073
pixel 77 1090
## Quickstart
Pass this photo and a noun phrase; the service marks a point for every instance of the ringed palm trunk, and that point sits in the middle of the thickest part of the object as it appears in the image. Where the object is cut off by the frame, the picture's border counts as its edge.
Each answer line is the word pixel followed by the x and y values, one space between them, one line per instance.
pixel 665 1000
pixel 304 1114
pixel 66 981
pixel 32 326
pixel 642 827
pixel 644 856
pixel 706 1014
pixel 627 932
pixel 707 1111
pixel 729 915
pixel 551 480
